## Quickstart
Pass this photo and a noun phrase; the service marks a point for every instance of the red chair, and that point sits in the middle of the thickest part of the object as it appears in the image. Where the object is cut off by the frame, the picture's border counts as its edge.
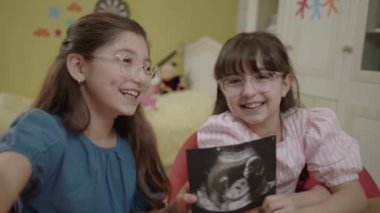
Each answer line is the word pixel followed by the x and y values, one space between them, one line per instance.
pixel 179 176
pixel 178 173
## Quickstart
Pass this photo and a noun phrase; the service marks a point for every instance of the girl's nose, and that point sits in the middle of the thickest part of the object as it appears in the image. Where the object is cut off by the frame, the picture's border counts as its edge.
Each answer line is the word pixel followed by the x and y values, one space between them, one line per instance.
pixel 249 89
pixel 140 76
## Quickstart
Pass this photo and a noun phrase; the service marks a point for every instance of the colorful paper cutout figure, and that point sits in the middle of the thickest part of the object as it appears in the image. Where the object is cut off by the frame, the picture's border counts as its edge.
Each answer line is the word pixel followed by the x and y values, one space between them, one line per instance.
pixel 57 32
pixel 41 32
pixel 331 6
pixel 315 9
pixel 303 6
pixel 69 22
pixel 74 7
pixel 54 12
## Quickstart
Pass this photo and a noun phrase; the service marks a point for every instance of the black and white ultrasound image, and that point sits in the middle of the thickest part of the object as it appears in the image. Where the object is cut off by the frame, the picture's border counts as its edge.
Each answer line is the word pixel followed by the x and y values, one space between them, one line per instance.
pixel 233 178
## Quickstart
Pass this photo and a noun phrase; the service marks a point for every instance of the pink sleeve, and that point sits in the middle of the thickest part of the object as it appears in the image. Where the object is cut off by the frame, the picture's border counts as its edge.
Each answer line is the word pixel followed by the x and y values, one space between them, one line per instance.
pixel 221 130
pixel 333 156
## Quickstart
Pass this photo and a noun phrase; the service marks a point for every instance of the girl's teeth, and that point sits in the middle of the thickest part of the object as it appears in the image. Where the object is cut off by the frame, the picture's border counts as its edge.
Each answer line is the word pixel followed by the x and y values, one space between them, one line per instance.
pixel 253 105
pixel 132 93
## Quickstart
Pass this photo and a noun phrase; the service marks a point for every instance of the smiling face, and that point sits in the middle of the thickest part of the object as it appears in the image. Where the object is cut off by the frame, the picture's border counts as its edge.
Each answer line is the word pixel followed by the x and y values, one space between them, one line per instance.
pixel 114 78
pixel 252 59
pixel 258 101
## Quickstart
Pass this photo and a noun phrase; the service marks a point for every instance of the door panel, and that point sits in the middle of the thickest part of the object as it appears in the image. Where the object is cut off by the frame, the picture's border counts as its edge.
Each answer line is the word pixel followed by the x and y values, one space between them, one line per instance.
pixel 327 55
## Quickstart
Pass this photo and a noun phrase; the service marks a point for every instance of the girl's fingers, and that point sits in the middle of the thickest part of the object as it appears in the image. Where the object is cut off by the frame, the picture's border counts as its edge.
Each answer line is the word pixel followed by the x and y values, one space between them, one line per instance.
pixel 185 195
pixel 189 198
pixel 276 203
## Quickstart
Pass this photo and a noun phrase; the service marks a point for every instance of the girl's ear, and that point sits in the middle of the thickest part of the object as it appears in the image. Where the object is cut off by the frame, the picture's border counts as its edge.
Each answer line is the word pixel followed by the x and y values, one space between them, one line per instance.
pixel 287 83
pixel 75 65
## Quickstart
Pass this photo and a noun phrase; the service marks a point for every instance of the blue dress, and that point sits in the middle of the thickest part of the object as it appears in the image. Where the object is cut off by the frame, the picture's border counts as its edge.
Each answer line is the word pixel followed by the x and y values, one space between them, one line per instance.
pixel 69 172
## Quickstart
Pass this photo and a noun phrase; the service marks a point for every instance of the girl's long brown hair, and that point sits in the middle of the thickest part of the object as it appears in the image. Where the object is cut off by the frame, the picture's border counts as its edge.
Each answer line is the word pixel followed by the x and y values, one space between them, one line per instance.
pixel 60 95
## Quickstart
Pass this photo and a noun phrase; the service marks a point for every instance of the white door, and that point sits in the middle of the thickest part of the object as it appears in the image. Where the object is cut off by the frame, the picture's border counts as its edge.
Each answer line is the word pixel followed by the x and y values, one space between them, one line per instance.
pixel 325 43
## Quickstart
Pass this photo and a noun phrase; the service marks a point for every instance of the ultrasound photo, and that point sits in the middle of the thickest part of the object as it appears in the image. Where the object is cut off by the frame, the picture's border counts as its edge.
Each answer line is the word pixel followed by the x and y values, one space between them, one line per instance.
pixel 233 178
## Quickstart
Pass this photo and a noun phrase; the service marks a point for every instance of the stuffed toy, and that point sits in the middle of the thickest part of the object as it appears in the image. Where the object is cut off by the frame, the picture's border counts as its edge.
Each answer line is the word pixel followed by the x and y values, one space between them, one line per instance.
pixel 167 81
pixel 171 79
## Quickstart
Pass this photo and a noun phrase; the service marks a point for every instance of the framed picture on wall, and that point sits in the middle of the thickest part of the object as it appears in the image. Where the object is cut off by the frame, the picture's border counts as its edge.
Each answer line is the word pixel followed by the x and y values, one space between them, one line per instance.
pixel 113 6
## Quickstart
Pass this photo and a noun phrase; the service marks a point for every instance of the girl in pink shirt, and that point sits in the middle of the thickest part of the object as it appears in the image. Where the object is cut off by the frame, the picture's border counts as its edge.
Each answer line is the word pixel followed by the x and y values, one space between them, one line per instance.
pixel 258 97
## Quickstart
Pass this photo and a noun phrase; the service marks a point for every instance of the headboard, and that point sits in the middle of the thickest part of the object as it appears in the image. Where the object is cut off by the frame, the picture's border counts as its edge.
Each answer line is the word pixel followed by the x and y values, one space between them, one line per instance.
pixel 199 60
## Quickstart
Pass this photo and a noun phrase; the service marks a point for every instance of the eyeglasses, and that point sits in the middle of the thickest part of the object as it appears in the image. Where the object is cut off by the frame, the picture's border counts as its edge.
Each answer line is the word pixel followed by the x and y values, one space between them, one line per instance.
pixel 131 63
pixel 232 85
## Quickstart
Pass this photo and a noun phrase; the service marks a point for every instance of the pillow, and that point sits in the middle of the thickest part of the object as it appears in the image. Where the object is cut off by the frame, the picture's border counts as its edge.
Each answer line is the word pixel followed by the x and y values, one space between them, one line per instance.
pixel 177 116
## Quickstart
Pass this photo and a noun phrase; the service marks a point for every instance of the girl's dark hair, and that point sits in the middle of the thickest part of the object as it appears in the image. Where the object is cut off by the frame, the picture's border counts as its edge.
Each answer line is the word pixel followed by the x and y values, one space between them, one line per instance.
pixel 242 51
pixel 61 95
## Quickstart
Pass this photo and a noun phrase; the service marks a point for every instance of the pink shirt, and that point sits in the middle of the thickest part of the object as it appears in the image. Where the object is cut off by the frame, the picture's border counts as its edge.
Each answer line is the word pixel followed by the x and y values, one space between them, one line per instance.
pixel 311 136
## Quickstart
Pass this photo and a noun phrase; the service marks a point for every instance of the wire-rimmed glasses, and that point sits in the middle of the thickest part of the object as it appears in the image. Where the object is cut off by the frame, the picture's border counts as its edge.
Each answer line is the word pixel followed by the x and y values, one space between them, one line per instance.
pixel 232 85
pixel 129 64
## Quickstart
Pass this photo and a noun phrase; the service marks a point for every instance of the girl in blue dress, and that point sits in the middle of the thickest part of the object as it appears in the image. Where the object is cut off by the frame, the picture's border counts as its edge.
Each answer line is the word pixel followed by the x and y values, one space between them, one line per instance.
pixel 85 145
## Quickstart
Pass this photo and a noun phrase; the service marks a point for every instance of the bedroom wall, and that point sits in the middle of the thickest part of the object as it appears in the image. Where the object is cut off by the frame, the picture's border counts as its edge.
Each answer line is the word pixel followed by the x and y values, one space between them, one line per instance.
pixel 25 57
